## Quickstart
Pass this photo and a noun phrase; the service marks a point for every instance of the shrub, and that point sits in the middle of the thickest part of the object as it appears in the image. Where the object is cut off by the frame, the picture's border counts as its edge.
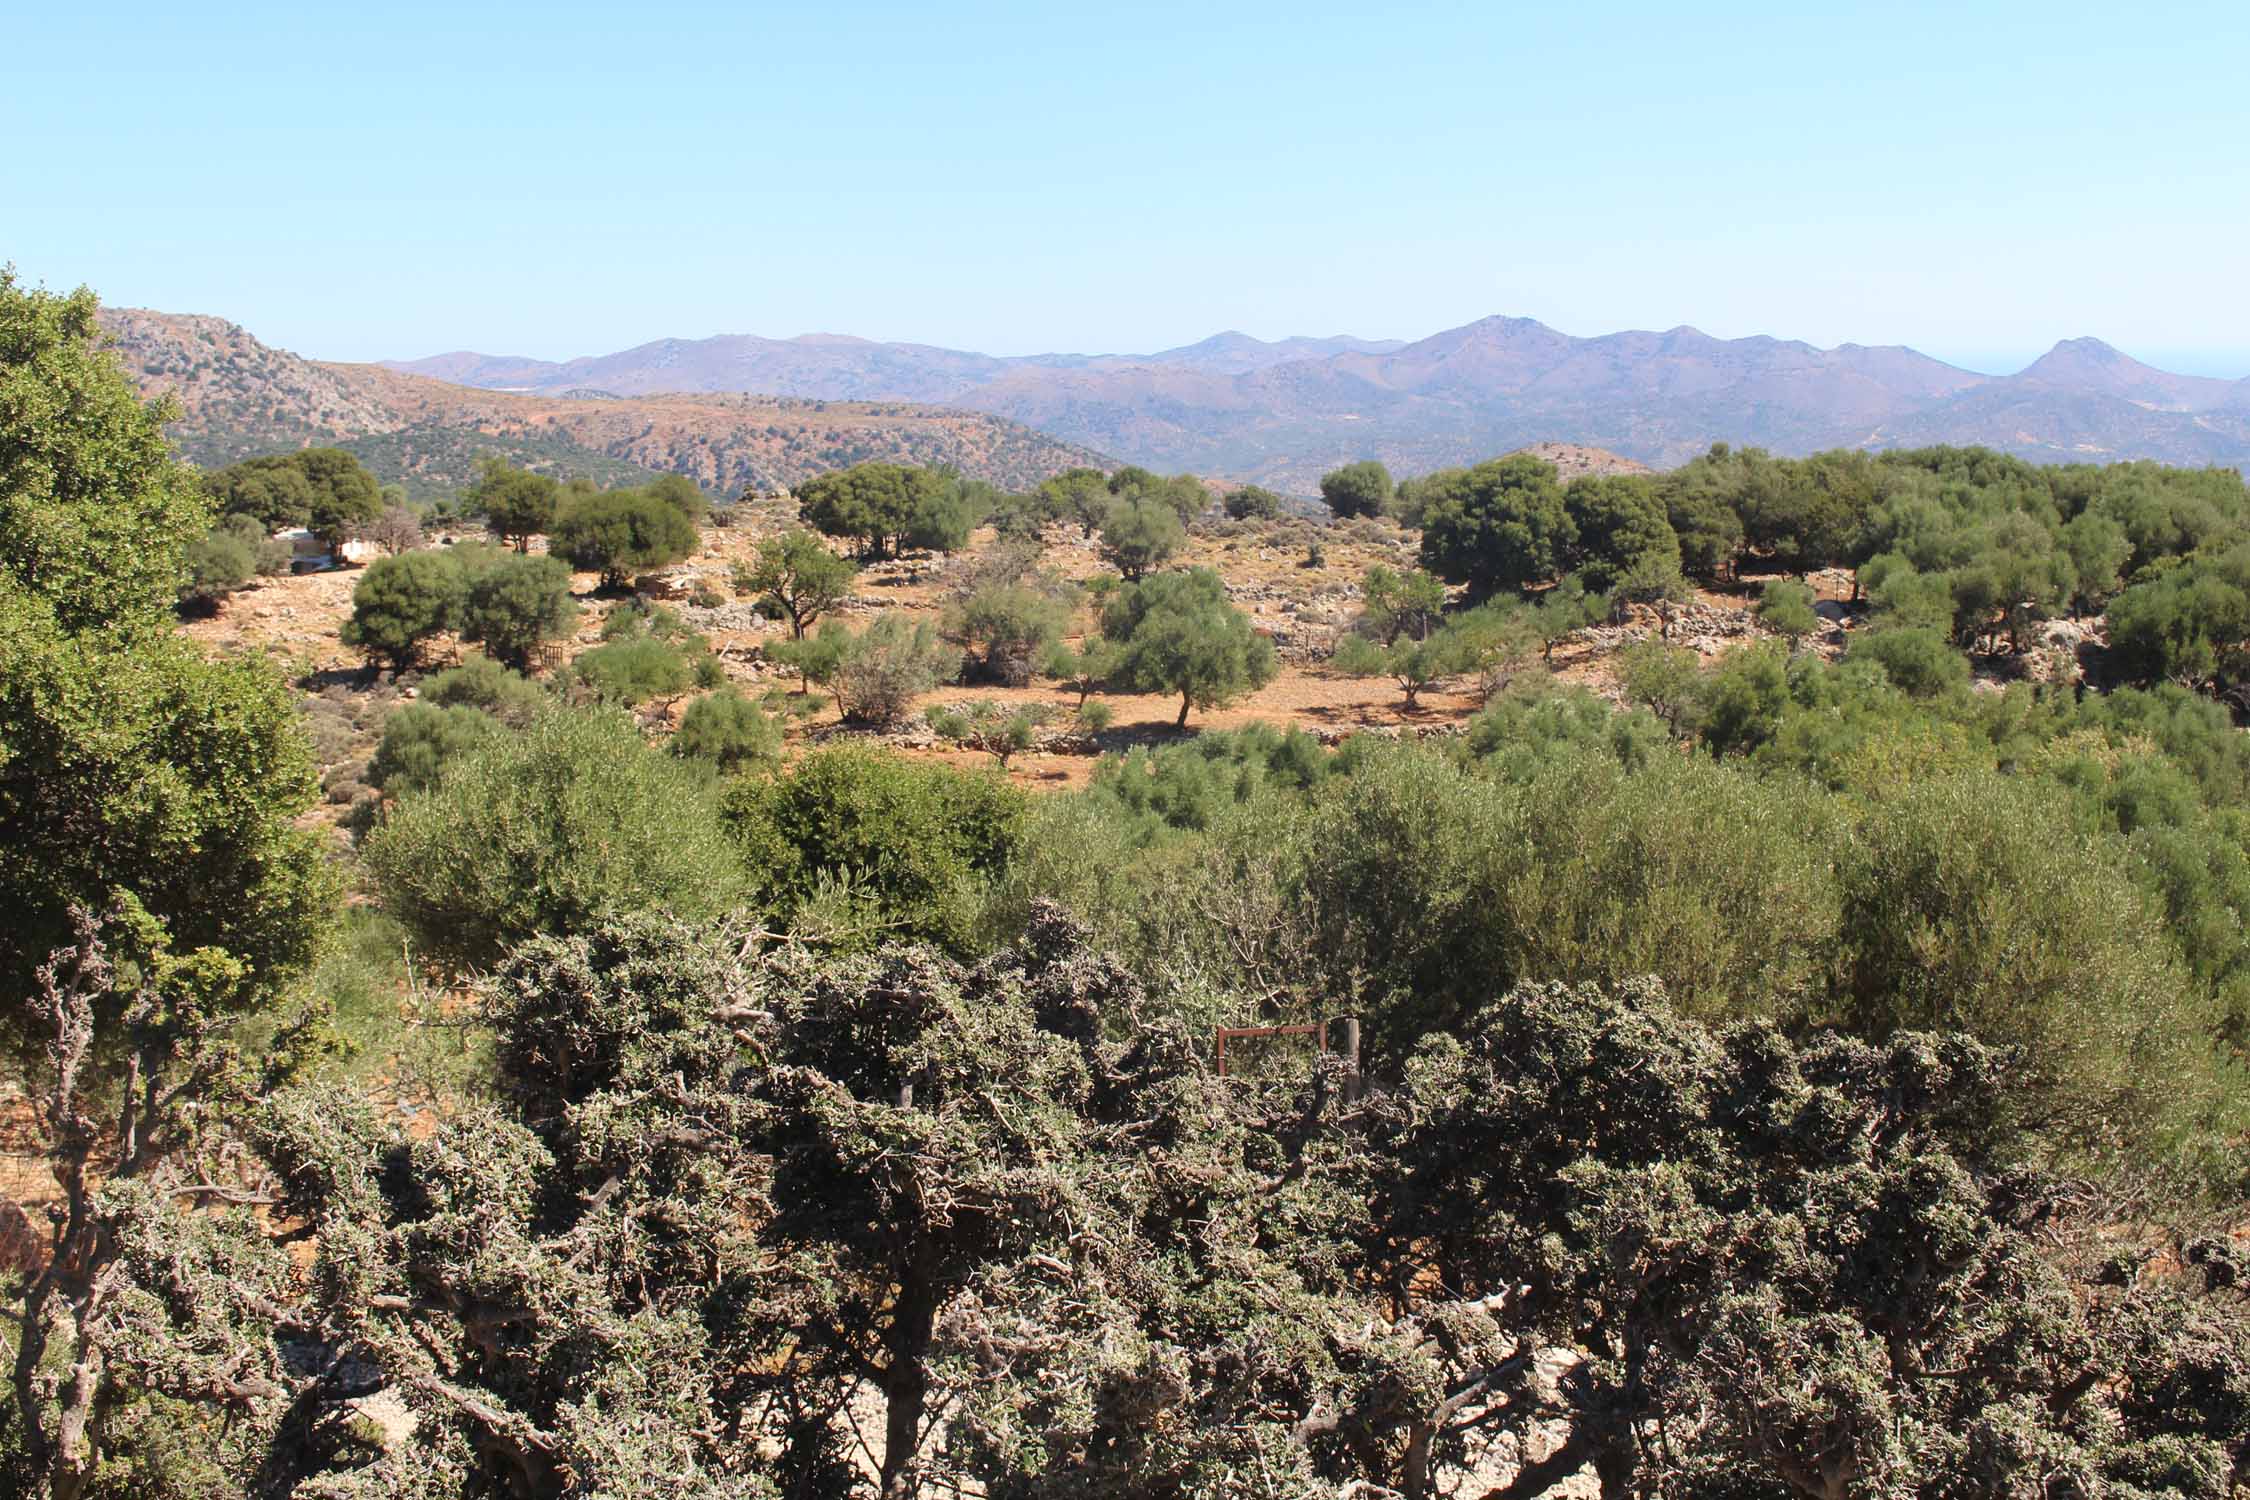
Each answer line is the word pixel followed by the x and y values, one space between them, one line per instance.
pixel 729 731
pixel 1786 609
pixel 218 563
pixel 420 740
pixel 1972 904
pixel 482 683
pixel 633 669
pixel 882 670
pixel 545 831
pixel 1919 662
pixel 1252 503
pixel 945 514
pixel 914 844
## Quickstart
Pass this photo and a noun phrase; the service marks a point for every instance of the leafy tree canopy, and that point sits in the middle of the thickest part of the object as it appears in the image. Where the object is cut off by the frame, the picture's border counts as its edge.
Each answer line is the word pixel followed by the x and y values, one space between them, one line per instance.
pixel 1361 489
pixel 622 532
pixel 1502 524
pixel 1176 633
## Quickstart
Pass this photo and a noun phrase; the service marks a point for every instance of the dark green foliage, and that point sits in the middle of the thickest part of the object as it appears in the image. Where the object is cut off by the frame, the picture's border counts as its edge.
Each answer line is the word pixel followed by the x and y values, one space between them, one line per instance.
pixel 1139 535
pixel 1771 1238
pixel 946 512
pixel 1973 905
pixel 222 560
pixel 620 533
pixel 145 769
pixel 543 830
pixel 1502 524
pixel 132 767
pixel 515 605
pixel 1703 518
pixel 682 494
pixel 1537 721
pixel 1104 1270
pixel 401 604
pixel 1361 489
pixel 1624 536
pixel 1189 785
pixel 2190 624
pixel 881 504
pixel 1918 662
pixel 1176 633
pixel 633 669
pixel 1745 698
pixel 874 846
pixel 729 731
pixel 517 504
pixel 420 740
pixel 93 511
pixel 1252 502
pixel 325 489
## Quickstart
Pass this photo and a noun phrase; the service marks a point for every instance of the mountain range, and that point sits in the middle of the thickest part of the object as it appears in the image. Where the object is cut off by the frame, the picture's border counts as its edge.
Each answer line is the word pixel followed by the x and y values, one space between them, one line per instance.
pixel 239 397
pixel 1283 412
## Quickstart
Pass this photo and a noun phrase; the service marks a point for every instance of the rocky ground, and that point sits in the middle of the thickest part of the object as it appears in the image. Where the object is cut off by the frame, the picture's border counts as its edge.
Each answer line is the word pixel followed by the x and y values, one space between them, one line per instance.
pixel 1297 578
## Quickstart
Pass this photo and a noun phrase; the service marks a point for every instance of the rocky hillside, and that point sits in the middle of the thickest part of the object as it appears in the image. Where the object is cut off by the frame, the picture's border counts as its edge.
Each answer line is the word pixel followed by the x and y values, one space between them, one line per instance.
pixel 241 397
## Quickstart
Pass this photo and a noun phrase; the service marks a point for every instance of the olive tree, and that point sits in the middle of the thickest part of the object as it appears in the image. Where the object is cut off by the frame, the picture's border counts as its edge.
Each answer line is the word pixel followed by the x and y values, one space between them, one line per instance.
pixel 1361 489
pixel 401 604
pixel 1139 535
pixel 1502 524
pixel 620 533
pixel 1176 633
pixel 515 605
pixel 795 577
pixel 517 504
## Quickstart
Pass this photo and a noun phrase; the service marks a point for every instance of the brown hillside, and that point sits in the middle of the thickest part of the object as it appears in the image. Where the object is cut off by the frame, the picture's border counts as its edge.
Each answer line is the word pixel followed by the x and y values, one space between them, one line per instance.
pixel 241 397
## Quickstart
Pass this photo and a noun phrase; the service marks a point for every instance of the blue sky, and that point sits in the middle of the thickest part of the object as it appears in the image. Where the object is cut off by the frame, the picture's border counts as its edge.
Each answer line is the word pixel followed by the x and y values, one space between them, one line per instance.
pixel 1977 180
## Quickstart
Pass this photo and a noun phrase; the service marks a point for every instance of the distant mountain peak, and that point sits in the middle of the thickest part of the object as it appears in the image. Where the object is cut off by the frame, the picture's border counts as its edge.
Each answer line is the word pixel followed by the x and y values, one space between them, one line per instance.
pixel 2089 365
pixel 1282 411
